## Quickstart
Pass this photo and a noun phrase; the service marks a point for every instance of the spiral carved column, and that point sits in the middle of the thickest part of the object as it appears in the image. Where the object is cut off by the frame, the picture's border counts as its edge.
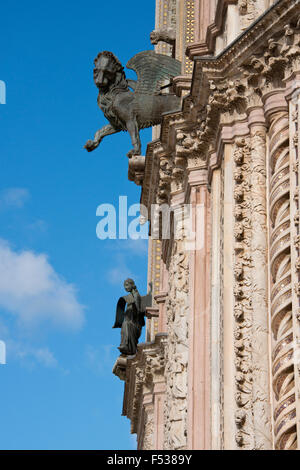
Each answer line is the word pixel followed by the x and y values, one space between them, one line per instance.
pixel 283 375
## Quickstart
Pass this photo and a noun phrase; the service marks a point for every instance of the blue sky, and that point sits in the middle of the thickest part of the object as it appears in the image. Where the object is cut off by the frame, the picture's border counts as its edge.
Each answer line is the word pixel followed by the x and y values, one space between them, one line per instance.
pixel 59 283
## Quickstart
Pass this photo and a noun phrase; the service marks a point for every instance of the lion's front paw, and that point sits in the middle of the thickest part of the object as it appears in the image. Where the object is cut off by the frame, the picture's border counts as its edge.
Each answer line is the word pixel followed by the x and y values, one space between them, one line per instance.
pixel 90 145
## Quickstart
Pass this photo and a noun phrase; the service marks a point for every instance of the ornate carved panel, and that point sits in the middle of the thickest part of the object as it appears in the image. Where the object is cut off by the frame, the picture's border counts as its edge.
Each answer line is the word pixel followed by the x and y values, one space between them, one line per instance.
pixel 142 373
pixel 177 306
pixel 243 311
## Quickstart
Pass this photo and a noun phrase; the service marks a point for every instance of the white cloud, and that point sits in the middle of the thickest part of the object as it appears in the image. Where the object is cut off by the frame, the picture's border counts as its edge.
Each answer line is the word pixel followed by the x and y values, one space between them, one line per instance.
pixel 32 290
pixel 45 357
pixel 13 197
pixel 30 356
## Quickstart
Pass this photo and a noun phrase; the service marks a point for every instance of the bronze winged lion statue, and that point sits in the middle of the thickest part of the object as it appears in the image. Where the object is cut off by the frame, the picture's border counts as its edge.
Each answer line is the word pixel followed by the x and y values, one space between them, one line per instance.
pixel 131 105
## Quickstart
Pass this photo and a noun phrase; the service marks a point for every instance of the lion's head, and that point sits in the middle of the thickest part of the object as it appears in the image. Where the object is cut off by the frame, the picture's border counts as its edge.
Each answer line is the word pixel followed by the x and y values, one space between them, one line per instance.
pixel 108 70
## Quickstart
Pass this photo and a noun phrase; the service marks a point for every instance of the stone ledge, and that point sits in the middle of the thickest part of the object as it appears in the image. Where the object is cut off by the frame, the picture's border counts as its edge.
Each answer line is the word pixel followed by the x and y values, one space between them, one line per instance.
pixel 152 312
pixel 136 169
pixel 141 373
pixel 181 83
pixel 119 368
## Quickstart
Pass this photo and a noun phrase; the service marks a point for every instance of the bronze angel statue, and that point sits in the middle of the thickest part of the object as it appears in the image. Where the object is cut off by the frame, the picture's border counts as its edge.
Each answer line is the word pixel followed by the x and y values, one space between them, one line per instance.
pixel 130 314
pixel 131 105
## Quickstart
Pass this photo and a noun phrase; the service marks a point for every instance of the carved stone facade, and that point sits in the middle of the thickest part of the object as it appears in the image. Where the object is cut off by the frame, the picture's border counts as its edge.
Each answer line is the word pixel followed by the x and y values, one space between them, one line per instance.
pixel 221 367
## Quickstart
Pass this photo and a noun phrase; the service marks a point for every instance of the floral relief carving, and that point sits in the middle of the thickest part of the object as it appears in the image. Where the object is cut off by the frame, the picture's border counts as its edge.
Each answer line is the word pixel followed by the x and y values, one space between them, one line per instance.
pixel 249 11
pixel 188 150
pixel 249 252
pixel 241 291
pixel 165 177
pixel 148 438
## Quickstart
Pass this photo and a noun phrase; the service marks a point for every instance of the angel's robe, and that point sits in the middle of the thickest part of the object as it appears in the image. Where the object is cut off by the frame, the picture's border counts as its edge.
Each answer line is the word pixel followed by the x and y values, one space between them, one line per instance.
pixel 130 320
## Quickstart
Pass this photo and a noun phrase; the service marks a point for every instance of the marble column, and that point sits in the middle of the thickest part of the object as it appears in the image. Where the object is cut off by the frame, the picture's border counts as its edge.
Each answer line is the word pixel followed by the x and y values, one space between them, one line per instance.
pixel 283 373
pixel 259 254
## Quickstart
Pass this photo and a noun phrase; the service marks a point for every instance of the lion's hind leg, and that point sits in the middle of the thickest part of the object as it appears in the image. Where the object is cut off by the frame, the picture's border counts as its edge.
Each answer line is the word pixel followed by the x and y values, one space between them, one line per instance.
pixel 133 129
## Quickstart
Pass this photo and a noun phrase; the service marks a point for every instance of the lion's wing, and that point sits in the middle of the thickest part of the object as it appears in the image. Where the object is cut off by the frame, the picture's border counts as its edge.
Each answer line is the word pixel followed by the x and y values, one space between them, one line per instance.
pixel 153 70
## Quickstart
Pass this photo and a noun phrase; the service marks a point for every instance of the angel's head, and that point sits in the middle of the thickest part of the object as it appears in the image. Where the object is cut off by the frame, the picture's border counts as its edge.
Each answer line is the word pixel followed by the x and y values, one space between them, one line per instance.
pixel 108 70
pixel 129 285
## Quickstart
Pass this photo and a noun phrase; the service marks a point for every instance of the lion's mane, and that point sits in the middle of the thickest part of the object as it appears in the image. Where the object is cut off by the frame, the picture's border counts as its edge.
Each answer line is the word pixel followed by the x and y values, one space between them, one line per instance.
pixel 120 84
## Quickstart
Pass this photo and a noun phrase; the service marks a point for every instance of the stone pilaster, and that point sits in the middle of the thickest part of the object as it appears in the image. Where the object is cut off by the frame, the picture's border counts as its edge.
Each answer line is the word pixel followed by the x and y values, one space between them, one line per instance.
pixel 259 253
pixel 198 405
pixel 217 317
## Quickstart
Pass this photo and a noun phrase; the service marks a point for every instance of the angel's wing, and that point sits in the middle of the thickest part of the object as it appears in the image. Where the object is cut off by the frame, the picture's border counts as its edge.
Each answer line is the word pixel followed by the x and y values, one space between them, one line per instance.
pixel 146 300
pixel 153 70
pixel 120 313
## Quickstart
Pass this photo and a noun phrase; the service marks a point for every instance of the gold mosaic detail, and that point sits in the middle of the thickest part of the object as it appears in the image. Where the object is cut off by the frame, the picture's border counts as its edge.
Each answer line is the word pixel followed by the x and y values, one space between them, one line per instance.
pixel 189 32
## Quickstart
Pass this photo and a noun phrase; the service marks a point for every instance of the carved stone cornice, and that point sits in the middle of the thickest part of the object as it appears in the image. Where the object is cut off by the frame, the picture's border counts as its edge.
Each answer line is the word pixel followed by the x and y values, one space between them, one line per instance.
pixel 161 297
pixel 225 91
pixel 119 368
pixel 225 88
pixel 151 312
pixel 141 373
pixel 227 64
pixel 276 62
